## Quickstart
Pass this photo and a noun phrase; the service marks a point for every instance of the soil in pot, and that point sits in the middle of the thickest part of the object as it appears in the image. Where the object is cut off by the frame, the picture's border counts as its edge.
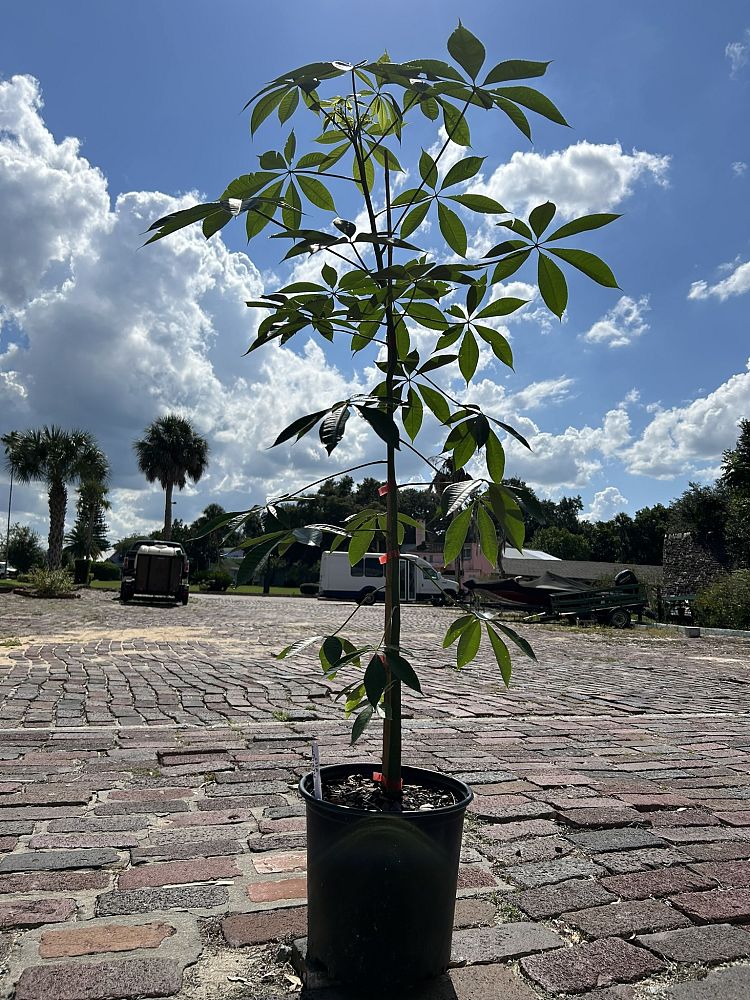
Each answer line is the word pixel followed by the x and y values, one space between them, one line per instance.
pixel 357 791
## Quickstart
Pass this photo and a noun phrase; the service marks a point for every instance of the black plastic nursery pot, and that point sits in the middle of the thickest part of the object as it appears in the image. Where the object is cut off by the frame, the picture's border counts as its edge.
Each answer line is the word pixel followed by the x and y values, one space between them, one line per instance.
pixel 381 887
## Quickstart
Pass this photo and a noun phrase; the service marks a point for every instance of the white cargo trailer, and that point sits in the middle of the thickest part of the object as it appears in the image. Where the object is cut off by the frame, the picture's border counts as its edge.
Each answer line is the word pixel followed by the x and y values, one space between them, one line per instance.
pixel 365 580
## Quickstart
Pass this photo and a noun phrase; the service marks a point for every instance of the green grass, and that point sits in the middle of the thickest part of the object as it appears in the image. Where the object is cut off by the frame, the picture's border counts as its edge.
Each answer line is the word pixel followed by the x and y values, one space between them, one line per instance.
pixel 10 584
pixel 245 590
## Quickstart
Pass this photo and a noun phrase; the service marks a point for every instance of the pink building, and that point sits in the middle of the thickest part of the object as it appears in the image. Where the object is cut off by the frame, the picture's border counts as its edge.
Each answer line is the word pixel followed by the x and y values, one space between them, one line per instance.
pixel 475 564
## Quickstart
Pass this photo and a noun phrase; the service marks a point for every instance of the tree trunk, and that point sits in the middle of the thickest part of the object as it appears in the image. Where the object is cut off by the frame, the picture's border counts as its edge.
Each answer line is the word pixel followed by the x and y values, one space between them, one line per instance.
pixel 58 503
pixel 167 533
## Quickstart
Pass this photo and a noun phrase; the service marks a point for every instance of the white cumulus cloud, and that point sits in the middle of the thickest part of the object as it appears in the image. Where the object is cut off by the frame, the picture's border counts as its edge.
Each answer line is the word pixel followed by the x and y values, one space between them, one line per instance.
pixel 605 505
pixel 738 53
pixel 586 177
pixel 736 283
pixel 621 325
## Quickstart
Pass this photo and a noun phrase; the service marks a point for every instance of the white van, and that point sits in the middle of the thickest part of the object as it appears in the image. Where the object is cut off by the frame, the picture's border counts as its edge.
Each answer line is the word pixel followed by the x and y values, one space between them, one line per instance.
pixel 365 580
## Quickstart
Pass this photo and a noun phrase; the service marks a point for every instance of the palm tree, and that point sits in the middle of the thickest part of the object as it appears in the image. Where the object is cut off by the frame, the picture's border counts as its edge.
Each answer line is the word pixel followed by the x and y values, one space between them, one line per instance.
pixel 56 457
pixel 172 452
pixel 88 537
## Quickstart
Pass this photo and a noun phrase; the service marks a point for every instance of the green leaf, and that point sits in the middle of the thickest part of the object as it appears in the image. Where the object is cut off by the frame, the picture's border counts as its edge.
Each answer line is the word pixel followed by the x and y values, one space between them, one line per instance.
pixel 500 346
pixel 382 423
pixel 501 654
pixel 487 535
pixel 407 197
pixel 429 108
pixel 427 315
pixel 583 225
pixel 332 428
pixel 495 456
pixel 467 50
pixel 316 192
pixel 515 114
pixel 383 154
pixel 509 514
pixel 456 534
pixel 515 69
pixel 330 275
pixel 254 559
pixel 464 451
pixel 436 402
pixel 552 285
pixel 456 628
pixel 369 174
pixel 453 229
pixel 361 722
pixel 541 216
pixel 455 125
pixel 413 414
pixel 299 427
pixel 591 265
pixel 330 653
pixel 290 147
pixel 402 669
pixel 478 203
pixel 414 219
pixel 534 101
pixel 458 496
pixel 519 640
pixel 428 170
pixel 298 646
pixel 169 224
pixel 291 210
pixel 468 356
pixel 264 107
pixel 468 644
pixel 215 222
pixel 509 266
pixel 360 543
pixel 463 170
pixel 288 105
pixel 272 160
pixel 437 361
pixel 517 226
pixel 375 680
pixel 501 307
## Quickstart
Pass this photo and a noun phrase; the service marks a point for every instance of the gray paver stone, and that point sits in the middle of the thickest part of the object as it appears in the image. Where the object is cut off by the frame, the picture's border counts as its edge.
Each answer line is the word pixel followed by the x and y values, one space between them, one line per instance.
pixel 626 918
pixel 36 861
pixel 586 966
pixel 715 906
pixel 662 882
pixel 548 872
pixel 711 943
pixel 496 944
pixel 192 897
pixel 620 839
pixel 115 980
pixel 552 901
pixel 724 984
pixel 242 929
pixel 35 912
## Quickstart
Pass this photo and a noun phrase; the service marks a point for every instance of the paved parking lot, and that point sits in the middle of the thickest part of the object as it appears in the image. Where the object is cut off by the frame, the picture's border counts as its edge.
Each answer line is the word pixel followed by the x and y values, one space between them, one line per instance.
pixel 152 842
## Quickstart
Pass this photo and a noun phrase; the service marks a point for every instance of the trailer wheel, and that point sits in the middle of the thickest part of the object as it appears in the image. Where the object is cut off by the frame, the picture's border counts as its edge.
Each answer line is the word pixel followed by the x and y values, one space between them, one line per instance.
pixel 438 602
pixel 619 618
pixel 125 593
pixel 368 596
pixel 185 596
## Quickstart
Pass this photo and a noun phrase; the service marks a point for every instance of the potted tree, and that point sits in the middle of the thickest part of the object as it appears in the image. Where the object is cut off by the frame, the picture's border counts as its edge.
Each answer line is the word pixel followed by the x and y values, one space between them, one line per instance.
pixel 384 839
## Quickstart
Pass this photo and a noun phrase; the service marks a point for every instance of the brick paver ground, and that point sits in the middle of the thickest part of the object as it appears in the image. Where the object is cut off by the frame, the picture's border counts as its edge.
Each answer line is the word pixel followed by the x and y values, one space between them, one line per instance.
pixel 152 841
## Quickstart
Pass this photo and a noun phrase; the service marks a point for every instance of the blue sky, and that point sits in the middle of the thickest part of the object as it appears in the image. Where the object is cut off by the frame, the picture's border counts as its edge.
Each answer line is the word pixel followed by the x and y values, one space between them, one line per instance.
pixel 637 392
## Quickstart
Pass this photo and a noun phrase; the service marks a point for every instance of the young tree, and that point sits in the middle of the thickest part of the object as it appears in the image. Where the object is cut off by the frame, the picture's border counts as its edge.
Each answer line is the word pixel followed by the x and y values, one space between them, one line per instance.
pixel 57 458
pixel 88 537
pixel 172 452
pixel 381 287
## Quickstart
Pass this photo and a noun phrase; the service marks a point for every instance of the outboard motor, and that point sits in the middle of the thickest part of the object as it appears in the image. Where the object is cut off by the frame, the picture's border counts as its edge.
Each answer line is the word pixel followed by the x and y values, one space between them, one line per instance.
pixel 625 578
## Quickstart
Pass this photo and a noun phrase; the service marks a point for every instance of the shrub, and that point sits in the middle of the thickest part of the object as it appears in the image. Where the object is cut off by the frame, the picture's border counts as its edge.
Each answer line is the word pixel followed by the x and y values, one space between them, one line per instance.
pixel 105 571
pixel 726 603
pixel 214 580
pixel 51 582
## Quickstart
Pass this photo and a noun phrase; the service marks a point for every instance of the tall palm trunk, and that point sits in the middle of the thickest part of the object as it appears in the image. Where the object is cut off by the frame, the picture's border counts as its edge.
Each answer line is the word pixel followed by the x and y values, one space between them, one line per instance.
pixel 167 533
pixel 58 503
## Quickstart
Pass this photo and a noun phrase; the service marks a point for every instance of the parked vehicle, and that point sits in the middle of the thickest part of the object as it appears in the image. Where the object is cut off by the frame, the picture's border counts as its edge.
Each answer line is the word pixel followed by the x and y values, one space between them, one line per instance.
pixel 365 580
pixel 613 606
pixel 155 569
pixel 536 595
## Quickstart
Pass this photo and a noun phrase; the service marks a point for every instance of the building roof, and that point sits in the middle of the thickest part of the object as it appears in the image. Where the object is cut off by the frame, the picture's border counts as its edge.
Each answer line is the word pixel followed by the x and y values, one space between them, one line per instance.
pixel 529 554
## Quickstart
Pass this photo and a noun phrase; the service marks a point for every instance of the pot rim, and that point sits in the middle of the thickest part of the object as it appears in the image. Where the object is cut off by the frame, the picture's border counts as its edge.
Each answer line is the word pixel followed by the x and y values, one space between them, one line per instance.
pixel 458 787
